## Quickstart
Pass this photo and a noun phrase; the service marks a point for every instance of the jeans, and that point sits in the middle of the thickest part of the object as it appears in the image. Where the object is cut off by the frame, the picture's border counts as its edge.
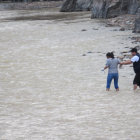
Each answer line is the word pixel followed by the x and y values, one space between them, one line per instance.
pixel 110 77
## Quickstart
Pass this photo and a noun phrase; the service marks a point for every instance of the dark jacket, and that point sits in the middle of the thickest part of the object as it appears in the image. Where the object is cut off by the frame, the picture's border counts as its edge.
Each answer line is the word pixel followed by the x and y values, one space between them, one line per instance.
pixel 136 65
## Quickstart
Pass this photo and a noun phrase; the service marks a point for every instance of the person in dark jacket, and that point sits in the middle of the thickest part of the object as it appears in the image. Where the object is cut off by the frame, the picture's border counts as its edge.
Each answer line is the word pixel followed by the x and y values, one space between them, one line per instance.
pixel 136 65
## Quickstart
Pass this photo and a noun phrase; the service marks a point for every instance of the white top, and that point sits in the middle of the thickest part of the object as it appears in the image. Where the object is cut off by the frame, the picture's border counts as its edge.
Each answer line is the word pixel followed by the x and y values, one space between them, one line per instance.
pixel 135 59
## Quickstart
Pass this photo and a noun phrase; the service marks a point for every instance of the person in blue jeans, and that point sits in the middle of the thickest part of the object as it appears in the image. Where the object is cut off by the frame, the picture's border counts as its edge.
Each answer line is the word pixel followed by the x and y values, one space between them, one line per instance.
pixel 112 65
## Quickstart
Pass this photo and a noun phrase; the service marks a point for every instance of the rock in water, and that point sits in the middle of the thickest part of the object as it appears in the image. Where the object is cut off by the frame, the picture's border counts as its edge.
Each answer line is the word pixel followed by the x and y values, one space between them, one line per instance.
pixel 122 29
pixel 83 30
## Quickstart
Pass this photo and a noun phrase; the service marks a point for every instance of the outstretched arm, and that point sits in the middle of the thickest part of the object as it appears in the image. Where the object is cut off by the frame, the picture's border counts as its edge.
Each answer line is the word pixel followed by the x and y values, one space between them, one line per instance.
pixel 126 62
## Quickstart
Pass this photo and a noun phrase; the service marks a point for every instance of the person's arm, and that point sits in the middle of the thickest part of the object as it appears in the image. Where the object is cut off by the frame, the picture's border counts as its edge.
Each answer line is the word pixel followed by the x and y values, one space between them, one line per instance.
pixel 119 63
pixel 126 62
pixel 105 67
pixel 133 59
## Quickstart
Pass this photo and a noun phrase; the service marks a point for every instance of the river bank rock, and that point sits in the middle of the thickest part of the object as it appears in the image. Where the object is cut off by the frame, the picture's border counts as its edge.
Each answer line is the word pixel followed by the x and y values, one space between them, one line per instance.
pixel 76 5
pixel 108 8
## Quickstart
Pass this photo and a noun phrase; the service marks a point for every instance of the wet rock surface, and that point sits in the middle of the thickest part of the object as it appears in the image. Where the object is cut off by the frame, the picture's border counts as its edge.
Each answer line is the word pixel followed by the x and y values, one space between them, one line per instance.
pixel 83 30
pixel 76 5
pixel 108 8
pixel 122 29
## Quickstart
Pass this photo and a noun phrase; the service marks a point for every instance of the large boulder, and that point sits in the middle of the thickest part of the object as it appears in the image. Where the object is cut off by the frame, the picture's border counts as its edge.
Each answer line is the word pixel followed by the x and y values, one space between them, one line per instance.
pixel 99 9
pixel 106 8
pixel 76 5
pixel 68 6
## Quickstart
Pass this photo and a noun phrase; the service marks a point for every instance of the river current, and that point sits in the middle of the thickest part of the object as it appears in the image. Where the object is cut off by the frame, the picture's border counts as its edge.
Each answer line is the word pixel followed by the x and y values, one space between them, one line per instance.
pixel 51 84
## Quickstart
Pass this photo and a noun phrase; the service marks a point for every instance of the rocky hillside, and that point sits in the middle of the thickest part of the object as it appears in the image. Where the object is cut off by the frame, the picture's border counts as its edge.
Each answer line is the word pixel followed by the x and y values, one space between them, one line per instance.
pixel 105 8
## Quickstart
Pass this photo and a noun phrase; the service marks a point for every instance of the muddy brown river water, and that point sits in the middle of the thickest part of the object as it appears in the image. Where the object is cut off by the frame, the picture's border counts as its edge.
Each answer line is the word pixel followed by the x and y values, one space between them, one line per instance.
pixel 50 91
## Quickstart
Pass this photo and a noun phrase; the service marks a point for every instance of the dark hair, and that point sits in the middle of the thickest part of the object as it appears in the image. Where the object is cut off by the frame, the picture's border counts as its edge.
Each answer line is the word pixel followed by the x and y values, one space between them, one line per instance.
pixel 110 54
pixel 134 50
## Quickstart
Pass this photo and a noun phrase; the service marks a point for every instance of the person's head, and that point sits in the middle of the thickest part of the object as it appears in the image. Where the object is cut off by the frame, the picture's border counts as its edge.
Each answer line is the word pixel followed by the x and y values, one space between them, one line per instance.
pixel 134 51
pixel 110 55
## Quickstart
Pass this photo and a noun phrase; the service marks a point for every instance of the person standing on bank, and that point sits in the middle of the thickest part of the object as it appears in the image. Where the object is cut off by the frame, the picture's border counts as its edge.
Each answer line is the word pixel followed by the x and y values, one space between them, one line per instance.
pixel 112 65
pixel 136 65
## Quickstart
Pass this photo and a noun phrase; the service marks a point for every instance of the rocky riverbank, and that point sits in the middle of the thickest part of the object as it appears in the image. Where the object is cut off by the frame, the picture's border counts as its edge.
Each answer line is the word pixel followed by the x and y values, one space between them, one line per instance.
pixel 108 9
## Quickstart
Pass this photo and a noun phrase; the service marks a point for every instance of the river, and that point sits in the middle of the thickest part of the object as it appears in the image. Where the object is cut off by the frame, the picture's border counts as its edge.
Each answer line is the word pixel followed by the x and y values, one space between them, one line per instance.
pixel 51 84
